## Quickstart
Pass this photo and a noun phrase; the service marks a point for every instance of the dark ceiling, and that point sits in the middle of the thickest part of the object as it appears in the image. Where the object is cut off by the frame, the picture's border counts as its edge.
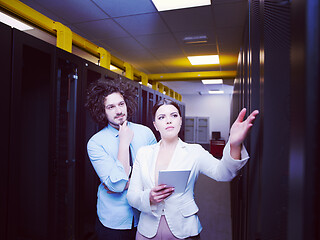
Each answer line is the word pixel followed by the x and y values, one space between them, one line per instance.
pixel 135 32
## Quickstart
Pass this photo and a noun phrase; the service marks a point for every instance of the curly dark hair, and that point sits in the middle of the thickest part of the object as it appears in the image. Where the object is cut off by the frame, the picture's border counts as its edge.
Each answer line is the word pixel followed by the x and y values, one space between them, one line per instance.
pixel 161 102
pixel 100 89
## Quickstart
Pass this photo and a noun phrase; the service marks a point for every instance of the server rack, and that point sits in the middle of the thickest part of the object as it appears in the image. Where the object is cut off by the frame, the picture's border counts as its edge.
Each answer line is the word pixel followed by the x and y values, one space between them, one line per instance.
pixel 183 114
pixel 276 194
pixel 86 178
pixel 49 184
pixel 262 192
pixel 30 204
pixel 148 99
pixel 5 97
pixel 68 97
pixel 159 96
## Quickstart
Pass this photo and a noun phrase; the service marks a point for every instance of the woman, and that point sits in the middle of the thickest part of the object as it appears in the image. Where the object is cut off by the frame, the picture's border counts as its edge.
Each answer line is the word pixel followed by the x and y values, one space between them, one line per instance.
pixel 169 215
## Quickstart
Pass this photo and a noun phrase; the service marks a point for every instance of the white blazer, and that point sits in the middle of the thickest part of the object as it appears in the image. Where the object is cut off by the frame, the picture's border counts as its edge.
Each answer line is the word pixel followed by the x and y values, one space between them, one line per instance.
pixel 179 209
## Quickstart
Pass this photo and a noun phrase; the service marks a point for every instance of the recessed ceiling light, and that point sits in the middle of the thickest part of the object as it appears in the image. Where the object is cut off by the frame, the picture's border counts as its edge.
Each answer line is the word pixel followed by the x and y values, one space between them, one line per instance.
pixel 216 92
pixel 212 81
pixel 202 60
pixel 12 22
pixel 164 5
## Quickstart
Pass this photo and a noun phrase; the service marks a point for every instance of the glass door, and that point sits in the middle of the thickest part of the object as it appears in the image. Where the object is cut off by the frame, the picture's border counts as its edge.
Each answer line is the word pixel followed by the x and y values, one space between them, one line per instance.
pixel 30 205
pixel 65 147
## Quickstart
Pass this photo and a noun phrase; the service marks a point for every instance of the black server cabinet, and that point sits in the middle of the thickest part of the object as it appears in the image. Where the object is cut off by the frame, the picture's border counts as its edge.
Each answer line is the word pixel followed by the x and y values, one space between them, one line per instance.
pixel 260 197
pixel 182 130
pixel 30 189
pixel 148 97
pixel 137 88
pixel 144 105
pixel 87 179
pixel 67 137
pixel 5 97
pixel 159 96
pixel 44 137
pixel 49 184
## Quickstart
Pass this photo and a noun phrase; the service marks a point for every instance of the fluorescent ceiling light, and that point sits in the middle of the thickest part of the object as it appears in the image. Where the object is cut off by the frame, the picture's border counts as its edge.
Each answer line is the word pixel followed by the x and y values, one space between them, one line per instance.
pixel 164 5
pixel 212 81
pixel 12 22
pixel 113 68
pixel 148 84
pixel 216 92
pixel 203 60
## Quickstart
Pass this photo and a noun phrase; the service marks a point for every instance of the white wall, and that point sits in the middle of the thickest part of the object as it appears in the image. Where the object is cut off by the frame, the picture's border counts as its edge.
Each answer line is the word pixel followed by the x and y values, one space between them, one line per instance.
pixel 213 198
pixel 216 107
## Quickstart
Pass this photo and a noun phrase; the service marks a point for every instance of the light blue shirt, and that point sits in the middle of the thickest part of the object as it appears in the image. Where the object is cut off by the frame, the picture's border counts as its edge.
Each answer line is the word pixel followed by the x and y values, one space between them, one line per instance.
pixel 112 208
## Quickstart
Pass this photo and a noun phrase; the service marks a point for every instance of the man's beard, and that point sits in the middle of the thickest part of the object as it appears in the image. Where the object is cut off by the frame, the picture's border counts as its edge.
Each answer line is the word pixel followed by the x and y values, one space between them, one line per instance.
pixel 118 121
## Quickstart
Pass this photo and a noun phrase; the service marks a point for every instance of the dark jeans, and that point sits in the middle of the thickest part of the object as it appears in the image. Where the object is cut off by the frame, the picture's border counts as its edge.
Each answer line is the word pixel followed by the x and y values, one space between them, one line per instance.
pixel 104 233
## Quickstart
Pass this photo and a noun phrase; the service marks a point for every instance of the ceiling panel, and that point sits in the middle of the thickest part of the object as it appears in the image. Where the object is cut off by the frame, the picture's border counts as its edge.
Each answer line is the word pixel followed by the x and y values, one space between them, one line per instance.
pixel 188 87
pixel 102 29
pixel 80 32
pixel 120 8
pixel 47 12
pixel 141 55
pixel 230 15
pixel 230 39
pixel 177 64
pixel 144 24
pixel 72 11
pixel 168 53
pixel 154 67
pixel 189 19
pixel 152 41
pixel 124 45
pixel 146 62
pixel 163 41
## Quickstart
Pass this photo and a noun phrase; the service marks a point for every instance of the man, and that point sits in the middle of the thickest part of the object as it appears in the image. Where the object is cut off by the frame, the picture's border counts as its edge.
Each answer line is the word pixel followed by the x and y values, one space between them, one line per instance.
pixel 112 152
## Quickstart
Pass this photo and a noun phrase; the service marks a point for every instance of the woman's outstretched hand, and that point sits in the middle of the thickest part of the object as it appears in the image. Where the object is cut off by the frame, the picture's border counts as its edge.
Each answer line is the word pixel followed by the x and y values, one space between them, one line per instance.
pixel 239 131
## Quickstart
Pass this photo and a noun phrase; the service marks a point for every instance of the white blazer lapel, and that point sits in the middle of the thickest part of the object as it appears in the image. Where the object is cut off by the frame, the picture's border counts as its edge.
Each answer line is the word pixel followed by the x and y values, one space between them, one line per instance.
pixel 152 162
pixel 178 161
